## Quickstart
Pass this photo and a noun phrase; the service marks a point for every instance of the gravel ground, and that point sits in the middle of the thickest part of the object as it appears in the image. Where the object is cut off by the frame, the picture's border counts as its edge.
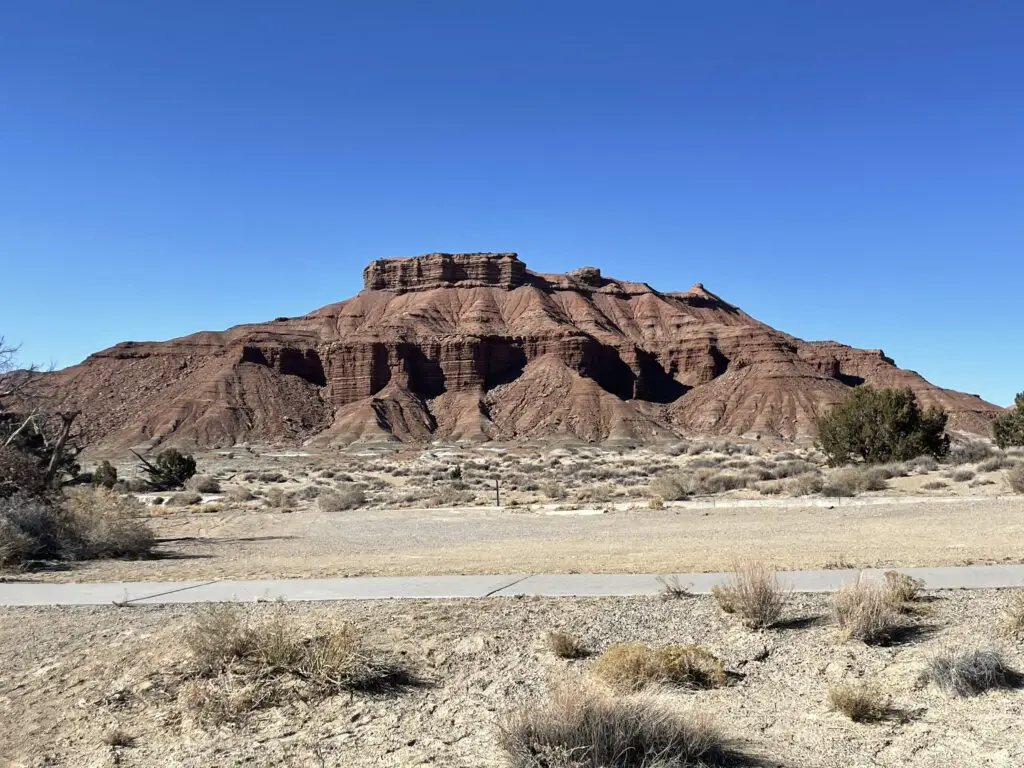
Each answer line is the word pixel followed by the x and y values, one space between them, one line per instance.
pixel 260 543
pixel 71 675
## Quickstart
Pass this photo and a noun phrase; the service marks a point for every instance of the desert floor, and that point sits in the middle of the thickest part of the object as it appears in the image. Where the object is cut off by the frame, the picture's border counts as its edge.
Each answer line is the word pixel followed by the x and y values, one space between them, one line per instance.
pixel 70 676
pixel 263 543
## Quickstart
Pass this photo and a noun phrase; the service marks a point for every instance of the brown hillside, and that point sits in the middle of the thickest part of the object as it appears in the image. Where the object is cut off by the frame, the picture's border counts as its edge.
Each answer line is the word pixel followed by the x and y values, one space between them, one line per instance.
pixel 474 347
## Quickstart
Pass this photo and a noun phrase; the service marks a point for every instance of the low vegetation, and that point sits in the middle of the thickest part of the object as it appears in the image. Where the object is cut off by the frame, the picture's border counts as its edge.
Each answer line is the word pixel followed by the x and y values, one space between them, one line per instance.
pixel 565 646
pixel 1015 477
pixel 342 499
pixel 882 425
pixel 1008 429
pixel 752 593
pixel 85 524
pixel 633 666
pixel 582 727
pixel 903 589
pixel 969 673
pixel 239 662
pixel 1013 618
pixel 860 702
pixel 869 613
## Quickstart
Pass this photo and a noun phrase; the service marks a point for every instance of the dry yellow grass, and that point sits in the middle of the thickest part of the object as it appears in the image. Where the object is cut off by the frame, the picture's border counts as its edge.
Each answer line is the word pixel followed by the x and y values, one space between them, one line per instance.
pixel 753 593
pixel 633 666
pixel 579 726
pixel 867 612
pixel 859 702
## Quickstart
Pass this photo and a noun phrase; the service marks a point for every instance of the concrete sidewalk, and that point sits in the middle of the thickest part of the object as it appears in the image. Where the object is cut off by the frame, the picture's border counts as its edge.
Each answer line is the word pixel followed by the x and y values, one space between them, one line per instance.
pixel 442 587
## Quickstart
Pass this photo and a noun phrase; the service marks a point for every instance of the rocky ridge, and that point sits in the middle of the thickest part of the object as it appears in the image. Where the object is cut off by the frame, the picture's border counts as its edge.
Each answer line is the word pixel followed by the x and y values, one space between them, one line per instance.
pixel 477 347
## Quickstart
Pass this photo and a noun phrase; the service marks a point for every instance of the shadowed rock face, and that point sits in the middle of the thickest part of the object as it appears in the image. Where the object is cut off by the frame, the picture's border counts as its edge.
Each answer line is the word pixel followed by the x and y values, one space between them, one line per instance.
pixel 475 346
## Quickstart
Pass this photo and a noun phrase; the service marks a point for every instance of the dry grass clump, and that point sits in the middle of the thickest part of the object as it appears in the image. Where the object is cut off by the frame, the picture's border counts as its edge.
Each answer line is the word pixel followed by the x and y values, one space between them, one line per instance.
pixel 754 594
pixel 1015 477
pixel 1013 618
pixel 868 612
pixel 565 646
pixel 861 703
pixel 969 673
pixel 672 588
pixel 849 481
pixel 997 462
pixel 969 453
pixel 632 666
pixel 584 727
pixel 805 484
pixel 279 499
pixel 903 588
pixel 240 663
pixel 202 484
pixel 87 524
pixel 934 485
pixel 349 497
pixel 118 737
pixel 922 465
pixel 959 475
pixel 239 493
pixel 672 486
pixel 553 490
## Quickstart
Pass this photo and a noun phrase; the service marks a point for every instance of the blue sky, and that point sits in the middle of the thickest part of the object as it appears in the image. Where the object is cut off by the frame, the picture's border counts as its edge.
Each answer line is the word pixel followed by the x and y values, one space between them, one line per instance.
pixel 851 170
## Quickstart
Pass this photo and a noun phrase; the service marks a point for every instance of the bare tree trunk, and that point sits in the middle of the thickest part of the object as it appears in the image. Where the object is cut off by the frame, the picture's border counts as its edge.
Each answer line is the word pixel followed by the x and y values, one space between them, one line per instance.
pixel 66 420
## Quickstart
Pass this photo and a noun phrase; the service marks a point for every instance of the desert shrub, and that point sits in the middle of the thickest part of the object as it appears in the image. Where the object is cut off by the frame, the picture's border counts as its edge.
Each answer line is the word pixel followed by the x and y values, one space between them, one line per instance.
pixel 632 666
pixel 87 524
pixel 184 499
pixel 934 485
pixel 882 425
pixel 997 462
pixel 239 493
pixel 239 662
pixel 861 703
pixel 170 469
pixel 105 474
pixel 959 475
pixel 565 646
pixel 1015 477
pixel 806 484
pixel 553 490
pixel 20 473
pixel 1012 618
pixel 968 673
pixel 342 499
pixel 272 477
pixel 118 737
pixel 792 468
pixel 849 481
pixel 671 486
pixel 969 453
pixel 278 499
pixel 203 484
pixel 893 469
pixel 1008 428
pixel 672 588
pixel 753 593
pixel 922 465
pixel 867 612
pixel 903 588
pixel 584 727
pixel 106 524
pixel 655 502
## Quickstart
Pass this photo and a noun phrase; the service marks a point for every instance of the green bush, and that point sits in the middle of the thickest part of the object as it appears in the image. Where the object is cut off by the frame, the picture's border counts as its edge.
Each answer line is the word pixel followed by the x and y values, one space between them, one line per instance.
pixel 105 475
pixel 882 425
pixel 1008 429
pixel 170 469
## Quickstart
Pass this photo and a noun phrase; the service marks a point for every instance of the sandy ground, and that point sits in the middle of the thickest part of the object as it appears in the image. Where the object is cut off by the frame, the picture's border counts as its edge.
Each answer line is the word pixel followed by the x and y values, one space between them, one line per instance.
pixel 71 675
pixel 260 543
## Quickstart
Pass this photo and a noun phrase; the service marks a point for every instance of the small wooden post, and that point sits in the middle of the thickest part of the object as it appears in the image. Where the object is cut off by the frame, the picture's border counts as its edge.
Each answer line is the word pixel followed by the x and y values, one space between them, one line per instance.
pixel 497 493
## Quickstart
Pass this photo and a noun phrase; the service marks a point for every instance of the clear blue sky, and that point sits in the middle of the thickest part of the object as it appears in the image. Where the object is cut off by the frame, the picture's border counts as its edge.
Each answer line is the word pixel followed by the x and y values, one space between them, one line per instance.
pixel 851 170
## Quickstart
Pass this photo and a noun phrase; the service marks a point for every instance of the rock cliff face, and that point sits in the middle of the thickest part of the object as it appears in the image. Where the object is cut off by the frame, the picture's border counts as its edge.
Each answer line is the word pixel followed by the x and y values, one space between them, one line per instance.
pixel 477 347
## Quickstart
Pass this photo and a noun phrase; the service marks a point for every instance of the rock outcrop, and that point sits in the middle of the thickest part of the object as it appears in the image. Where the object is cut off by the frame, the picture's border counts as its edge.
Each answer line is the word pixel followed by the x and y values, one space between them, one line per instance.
pixel 477 347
